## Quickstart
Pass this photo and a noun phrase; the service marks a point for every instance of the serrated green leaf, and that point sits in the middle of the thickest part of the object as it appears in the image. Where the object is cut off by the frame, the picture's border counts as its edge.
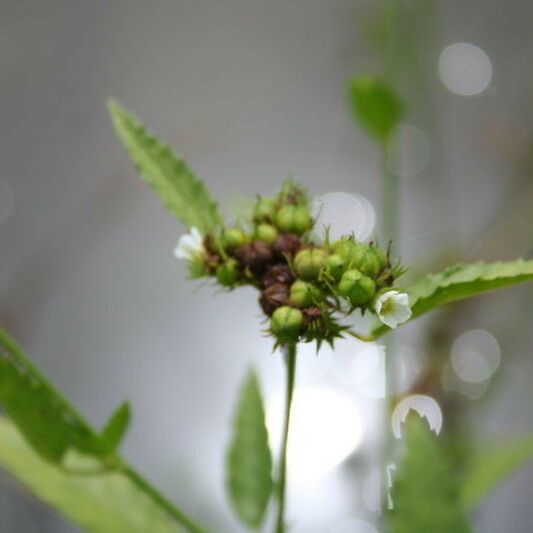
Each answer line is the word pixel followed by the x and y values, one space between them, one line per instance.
pixel 40 412
pixel 101 503
pixel 425 494
pixel 491 468
pixel 115 429
pixel 375 106
pixel 463 281
pixel 249 460
pixel 178 188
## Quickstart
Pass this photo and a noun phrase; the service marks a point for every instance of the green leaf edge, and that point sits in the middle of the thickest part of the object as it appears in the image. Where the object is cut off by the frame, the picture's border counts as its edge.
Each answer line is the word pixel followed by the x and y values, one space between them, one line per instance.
pixel 450 285
pixel 165 172
pixel 116 427
pixel 238 481
pixel 492 467
pixel 416 517
pixel 100 502
pixel 364 86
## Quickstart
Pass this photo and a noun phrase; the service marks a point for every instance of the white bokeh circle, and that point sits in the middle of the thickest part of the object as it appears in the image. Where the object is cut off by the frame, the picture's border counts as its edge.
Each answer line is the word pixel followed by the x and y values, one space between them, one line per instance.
pixel 344 214
pixel 465 69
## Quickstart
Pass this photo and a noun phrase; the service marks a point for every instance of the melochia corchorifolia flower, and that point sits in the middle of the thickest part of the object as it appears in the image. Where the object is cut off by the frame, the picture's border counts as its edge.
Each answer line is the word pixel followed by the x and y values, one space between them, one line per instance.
pixel 392 308
pixel 306 285
pixel 190 246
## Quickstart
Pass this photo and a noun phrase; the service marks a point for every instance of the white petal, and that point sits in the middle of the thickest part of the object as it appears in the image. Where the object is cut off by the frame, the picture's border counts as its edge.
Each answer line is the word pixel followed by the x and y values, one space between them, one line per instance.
pixel 182 250
pixel 401 298
pixel 392 308
pixel 389 320
pixel 189 245
pixel 197 236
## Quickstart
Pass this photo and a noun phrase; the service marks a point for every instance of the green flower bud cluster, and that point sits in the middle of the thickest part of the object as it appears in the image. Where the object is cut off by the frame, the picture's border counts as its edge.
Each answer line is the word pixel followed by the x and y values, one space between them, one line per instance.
pixel 305 286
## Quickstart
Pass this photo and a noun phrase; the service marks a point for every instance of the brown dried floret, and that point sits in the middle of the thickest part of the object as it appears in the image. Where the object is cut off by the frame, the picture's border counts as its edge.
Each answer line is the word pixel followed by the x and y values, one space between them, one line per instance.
pixel 312 313
pixel 254 255
pixel 273 297
pixel 287 244
pixel 278 273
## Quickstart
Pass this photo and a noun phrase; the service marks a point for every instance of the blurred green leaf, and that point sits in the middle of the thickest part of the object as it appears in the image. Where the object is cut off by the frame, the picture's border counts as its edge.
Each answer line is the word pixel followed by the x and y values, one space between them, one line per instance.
pixel 40 412
pixel 106 502
pixel 491 468
pixel 463 281
pixel 375 106
pixel 115 429
pixel 181 192
pixel 425 494
pixel 57 433
pixel 249 461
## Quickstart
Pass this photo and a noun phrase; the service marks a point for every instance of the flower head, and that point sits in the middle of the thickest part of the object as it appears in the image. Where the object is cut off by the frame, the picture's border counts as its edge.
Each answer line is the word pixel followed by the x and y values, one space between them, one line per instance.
pixel 190 246
pixel 392 308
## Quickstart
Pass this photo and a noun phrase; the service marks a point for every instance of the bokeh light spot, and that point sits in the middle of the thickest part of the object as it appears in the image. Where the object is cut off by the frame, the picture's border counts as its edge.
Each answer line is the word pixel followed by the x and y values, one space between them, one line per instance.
pixel 426 406
pixel 465 69
pixel 312 366
pixel 372 490
pixel 326 426
pixel 475 355
pixel 360 364
pixel 344 214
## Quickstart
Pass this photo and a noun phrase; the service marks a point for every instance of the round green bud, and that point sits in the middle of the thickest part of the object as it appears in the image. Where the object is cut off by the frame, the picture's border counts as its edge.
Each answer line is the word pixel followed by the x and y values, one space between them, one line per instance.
pixel 350 250
pixel 228 273
pixel 357 287
pixel 303 294
pixel 233 238
pixel 264 210
pixel 343 247
pixel 335 266
pixel 308 263
pixel 370 262
pixel 266 232
pixel 286 323
pixel 381 256
pixel 294 219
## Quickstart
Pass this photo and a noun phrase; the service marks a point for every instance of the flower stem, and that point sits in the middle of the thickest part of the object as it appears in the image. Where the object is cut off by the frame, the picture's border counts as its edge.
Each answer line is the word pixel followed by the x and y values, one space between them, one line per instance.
pixel 290 352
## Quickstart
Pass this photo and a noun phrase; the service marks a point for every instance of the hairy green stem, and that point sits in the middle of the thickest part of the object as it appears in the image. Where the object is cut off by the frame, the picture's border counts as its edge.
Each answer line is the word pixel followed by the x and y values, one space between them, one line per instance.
pixel 282 468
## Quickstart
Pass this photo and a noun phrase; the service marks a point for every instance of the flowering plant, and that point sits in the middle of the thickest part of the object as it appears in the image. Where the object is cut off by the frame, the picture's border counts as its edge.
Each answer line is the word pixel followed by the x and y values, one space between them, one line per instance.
pixel 308 284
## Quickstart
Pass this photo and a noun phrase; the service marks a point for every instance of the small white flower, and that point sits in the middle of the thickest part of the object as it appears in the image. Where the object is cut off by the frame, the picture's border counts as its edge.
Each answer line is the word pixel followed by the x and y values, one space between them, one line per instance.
pixel 393 308
pixel 190 246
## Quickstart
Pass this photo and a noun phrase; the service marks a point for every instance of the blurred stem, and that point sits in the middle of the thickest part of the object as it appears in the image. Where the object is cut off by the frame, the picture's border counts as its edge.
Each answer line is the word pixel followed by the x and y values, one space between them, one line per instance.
pixel 389 196
pixel 290 353
pixel 161 500
pixel 390 221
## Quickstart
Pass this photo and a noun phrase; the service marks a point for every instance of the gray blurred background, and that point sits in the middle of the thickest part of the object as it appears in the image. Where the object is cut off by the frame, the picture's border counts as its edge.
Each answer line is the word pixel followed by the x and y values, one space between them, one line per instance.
pixel 249 91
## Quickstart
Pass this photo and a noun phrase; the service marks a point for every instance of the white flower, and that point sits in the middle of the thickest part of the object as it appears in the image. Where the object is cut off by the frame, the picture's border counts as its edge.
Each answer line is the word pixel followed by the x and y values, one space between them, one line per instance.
pixel 393 308
pixel 190 246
